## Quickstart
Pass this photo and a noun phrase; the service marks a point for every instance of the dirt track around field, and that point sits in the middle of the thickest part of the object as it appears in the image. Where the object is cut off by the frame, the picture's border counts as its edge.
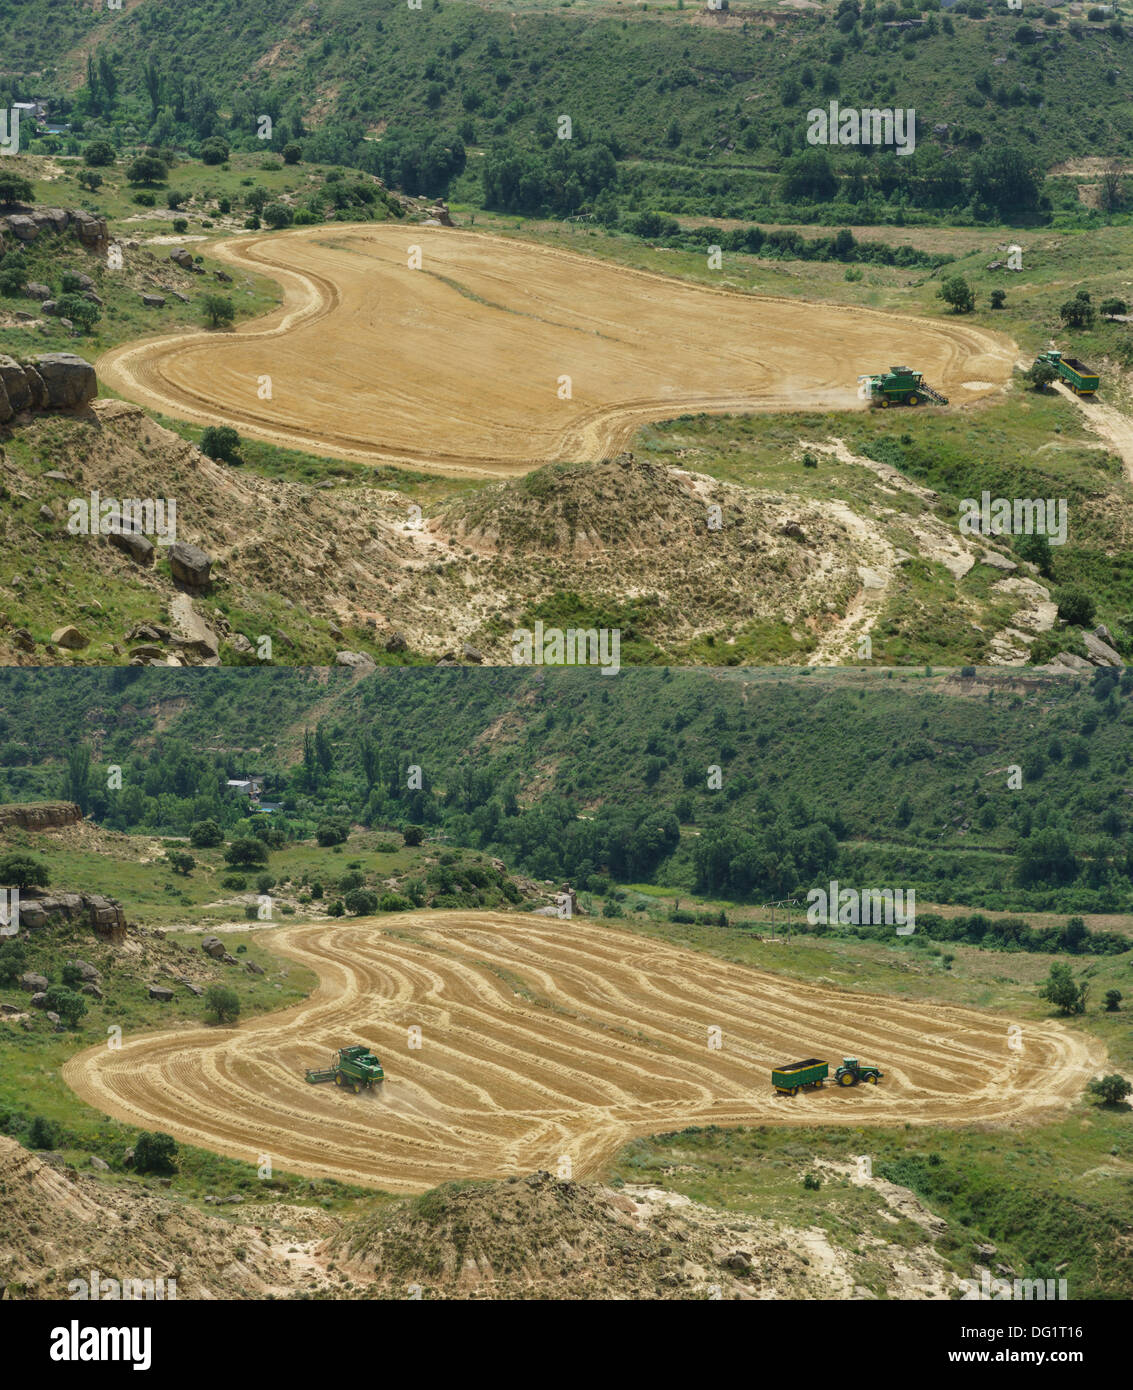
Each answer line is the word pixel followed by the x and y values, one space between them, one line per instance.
pixel 543 1038
pixel 457 367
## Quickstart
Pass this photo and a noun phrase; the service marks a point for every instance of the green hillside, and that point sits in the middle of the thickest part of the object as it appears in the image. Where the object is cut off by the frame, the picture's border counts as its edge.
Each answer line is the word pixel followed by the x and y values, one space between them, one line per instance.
pixel 666 109
pixel 904 780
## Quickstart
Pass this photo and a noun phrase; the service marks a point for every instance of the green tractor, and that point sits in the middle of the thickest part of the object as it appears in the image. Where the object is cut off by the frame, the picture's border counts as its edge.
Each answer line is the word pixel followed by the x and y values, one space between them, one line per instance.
pixel 899 386
pixel 353 1067
pixel 851 1072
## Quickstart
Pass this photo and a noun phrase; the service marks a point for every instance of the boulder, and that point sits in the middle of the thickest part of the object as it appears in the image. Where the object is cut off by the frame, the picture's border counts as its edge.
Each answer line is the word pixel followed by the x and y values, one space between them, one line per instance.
pixel 90 229
pixel 179 256
pixel 1101 653
pixel 470 653
pixel 192 988
pixel 87 973
pixel 241 644
pixel 153 301
pixel 160 992
pixel 51 1016
pixel 212 946
pixel 226 959
pixel 34 290
pixel 23 227
pixel 190 565
pixel 69 637
pixel 137 546
pixel 357 661
pixel 51 219
pixel 99 1164
pixel 39 999
pixel 70 380
pixel 46 514
pixel 30 981
pixel 37 388
pixel 252 968
pixel 92 991
pixel 49 307
pixel 15 384
pixel 397 642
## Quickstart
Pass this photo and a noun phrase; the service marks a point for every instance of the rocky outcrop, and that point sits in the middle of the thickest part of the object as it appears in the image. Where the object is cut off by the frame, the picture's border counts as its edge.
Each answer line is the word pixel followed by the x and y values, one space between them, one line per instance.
pixel 40 815
pixel 104 915
pixel 29 223
pixel 53 381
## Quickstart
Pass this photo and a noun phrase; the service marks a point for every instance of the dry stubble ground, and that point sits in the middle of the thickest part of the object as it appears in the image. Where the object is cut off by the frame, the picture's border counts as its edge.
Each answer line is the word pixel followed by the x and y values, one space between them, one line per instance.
pixel 544 1038
pixel 456 366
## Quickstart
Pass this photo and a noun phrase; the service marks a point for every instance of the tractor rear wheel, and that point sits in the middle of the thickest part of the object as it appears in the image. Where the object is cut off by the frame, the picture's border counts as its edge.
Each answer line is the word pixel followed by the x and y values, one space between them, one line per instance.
pixel 338 1078
pixel 848 1078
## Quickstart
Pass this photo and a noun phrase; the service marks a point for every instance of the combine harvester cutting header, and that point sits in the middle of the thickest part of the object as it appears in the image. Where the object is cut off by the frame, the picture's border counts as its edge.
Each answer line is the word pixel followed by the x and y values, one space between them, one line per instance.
pixel 356 1067
pixel 899 386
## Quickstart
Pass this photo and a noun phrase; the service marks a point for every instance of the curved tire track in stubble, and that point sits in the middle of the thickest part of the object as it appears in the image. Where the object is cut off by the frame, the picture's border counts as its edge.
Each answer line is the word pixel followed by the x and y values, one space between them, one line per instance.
pixel 544 1038
pixel 457 374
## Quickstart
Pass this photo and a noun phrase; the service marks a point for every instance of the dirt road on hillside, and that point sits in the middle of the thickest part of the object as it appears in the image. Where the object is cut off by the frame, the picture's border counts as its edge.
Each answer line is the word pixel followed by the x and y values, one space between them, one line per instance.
pixel 464 365
pixel 543 1038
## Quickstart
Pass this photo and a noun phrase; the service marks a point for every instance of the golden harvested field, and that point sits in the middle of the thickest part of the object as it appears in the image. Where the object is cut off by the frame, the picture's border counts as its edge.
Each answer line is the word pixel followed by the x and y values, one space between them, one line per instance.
pixel 458 366
pixel 544 1038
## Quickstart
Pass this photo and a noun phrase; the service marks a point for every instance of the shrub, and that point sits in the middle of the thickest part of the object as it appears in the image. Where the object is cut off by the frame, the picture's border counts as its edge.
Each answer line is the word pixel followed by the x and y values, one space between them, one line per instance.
pixel 90 180
pixel 222 1003
pixel 1042 374
pixel 292 153
pixel 332 832
pixel 278 215
pixel 13 960
pixel 361 902
pixel 22 871
pixel 956 292
pixel 1113 998
pixel 413 835
pixel 99 154
pixel 205 834
pixel 1110 1090
pixel 180 862
pixel 146 168
pixel 248 852
pixel 998 299
pixel 84 313
pixel 237 882
pixel 214 150
pixel 394 902
pixel 155 1153
pixel 180 224
pixel 14 188
pixel 144 200
pixel 217 310
pixel 66 1003
pixel 42 1134
pixel 221 442
pixel 1075 605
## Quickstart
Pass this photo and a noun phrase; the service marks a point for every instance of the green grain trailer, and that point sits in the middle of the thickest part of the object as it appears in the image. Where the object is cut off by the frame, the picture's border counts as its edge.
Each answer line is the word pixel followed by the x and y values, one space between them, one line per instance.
pixel 901 386
pixel 1081 380
pixel 355 1067
pixel 795 1076
pixel 789 1080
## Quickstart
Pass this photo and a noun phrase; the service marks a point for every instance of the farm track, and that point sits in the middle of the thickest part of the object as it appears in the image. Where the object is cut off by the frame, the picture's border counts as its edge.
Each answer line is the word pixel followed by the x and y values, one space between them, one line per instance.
pixel 544 1038
pixel 455 367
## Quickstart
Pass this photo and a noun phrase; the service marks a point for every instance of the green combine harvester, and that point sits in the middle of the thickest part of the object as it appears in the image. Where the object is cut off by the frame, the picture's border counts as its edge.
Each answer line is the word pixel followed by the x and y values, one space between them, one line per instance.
pixel 789 1080
pixel 901 386
pixel 1081 380
pixel 356 1067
